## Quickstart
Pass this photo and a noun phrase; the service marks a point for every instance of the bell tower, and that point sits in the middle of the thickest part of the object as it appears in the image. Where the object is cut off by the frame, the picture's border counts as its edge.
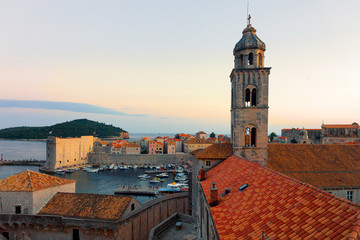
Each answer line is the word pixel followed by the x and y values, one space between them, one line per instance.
pixel 249 98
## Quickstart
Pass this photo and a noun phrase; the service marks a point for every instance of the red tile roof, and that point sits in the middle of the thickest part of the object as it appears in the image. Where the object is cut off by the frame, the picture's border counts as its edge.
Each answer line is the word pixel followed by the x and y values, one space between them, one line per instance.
pixel 354 125
pixel 29 181
pixel 83 205
pixel 321 165
pixel 218 151
pixel 275 206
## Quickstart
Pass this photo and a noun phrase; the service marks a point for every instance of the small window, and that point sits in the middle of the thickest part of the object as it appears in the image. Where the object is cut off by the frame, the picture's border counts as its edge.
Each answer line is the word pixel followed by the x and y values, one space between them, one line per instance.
pixel 350 195
pixel 251 59
pixel 132 206
pixel 208 164
pixel 247 97
pixel 76 234
pixel 17 209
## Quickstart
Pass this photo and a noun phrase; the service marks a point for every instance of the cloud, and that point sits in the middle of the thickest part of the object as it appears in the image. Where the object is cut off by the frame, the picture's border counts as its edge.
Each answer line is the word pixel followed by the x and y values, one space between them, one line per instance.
pixel 64 106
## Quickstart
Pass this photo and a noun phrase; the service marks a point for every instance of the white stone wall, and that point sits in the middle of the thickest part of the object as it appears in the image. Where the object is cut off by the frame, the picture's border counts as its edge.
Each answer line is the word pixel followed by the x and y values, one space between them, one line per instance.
pixel 40 198
pixel 65 152
pixel 342 193
pixel 8 201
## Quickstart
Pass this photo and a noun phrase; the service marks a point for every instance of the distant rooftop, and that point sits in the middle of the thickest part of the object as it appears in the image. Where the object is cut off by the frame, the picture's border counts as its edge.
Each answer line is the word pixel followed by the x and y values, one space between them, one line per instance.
pixel 29 181
pixel 83 205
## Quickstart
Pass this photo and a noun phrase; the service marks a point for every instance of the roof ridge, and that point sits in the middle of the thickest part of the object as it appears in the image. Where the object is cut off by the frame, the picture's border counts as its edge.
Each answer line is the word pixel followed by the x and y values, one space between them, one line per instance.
pixel 300 182
pixel 355 230
pixel 28 174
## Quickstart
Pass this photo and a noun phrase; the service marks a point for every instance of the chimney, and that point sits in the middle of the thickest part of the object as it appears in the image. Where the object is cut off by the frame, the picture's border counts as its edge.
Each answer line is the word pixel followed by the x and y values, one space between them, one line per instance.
pixel 202 174
pixel 213 196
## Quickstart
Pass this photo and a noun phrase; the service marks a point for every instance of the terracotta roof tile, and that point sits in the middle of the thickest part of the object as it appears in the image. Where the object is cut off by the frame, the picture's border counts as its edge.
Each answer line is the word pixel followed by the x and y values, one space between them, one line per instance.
pixel 354 125
pixel 29 181
pixel 321 165
pixel 296 210
pixel 215 151
pixel 83 205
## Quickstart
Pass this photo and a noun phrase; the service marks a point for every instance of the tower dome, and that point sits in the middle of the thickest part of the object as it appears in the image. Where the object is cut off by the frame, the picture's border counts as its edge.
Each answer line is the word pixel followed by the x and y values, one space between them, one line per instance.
pixel 249 40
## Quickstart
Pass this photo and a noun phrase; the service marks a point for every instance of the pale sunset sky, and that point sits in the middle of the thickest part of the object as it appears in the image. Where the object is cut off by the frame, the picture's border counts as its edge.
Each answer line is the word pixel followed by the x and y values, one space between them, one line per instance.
pixel 163 66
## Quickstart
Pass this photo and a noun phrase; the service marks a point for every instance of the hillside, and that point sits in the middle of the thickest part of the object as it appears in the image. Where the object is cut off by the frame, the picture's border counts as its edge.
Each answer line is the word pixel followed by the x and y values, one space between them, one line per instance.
pixel 75 128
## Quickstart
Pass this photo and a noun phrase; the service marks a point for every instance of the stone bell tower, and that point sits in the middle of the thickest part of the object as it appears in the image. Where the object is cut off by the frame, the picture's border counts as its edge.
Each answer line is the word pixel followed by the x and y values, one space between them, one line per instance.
pixel 249 98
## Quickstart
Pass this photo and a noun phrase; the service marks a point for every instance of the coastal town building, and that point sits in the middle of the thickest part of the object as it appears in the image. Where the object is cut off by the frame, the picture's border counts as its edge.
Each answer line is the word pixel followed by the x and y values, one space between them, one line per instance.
pixel 67 152
pixel 242 199
pixel 295 135
pixel 332 168
pixel 27 192
pixel 170 147
pixel 201 134
pixel 340 133
pixel 193 144
pixel 212 155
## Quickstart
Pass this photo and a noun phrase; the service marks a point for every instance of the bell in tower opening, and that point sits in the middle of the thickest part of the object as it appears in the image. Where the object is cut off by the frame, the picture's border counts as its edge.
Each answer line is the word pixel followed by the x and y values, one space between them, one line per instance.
pixel 249 98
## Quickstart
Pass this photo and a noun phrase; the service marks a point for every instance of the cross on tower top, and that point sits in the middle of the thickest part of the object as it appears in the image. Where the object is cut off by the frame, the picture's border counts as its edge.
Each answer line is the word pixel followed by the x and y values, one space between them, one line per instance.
pixel 249 19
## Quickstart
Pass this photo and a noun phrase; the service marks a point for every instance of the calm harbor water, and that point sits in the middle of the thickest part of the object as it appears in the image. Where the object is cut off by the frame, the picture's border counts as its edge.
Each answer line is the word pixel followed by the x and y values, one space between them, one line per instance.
pixel 105 182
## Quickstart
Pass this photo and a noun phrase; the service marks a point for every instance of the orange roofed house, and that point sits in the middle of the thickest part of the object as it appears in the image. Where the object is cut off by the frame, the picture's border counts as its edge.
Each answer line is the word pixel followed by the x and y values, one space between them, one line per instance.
pixel 27 192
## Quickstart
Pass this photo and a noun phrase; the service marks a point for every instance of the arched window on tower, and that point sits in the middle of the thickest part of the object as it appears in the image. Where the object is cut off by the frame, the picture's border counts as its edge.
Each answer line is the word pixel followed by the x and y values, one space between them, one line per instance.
pixel 253 137
pixel 247 97
pixel 247 137
pixel 241 60
pixel 251 59
pixel 253 97
pixel 260 60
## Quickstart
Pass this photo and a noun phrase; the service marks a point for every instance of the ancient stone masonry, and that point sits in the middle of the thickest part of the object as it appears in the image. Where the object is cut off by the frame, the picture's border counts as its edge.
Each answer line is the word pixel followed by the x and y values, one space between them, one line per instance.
pixel 249 98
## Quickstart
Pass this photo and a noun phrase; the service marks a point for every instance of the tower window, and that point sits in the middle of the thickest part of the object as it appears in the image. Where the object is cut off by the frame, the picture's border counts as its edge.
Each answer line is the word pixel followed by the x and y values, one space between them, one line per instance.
pixel 251 59
pixel 253 97
pixel 247 137
pixel 260 61
pixel 253 137
pixel 247 97
pixel 241 60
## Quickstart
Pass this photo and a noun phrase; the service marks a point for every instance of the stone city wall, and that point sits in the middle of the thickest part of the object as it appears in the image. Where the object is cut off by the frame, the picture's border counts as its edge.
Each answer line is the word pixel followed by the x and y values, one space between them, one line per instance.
pixel 139 159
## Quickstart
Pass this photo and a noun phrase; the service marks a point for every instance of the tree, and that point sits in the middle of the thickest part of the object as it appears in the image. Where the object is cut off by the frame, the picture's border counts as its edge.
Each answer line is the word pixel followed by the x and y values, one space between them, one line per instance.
pixel 212 135
pixel 272 136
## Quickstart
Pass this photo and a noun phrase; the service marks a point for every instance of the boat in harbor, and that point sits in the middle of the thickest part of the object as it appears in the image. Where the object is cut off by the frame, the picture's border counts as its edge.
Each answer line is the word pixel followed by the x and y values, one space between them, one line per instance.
pixel 144 176
pixel 155 180
pixel 93 170
pixel 162 175
pixel 174 188
pixel 61 172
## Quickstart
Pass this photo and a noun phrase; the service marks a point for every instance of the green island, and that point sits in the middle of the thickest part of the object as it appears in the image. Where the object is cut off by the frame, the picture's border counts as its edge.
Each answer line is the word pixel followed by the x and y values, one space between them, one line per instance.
pixel 75 128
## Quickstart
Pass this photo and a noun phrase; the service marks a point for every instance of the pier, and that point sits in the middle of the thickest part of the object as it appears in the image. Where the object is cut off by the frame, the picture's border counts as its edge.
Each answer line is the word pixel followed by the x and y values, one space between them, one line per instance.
pixel 137 191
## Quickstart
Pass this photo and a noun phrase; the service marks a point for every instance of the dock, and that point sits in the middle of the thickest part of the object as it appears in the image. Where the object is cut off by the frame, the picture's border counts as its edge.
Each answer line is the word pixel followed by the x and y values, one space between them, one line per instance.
pixel 161 171
pixel 137 191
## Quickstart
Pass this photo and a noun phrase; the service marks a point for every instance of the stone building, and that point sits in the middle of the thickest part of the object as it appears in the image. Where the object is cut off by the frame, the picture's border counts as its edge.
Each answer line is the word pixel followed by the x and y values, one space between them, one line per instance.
pixel 212 155
pixel 249 98
pixel 293 135
pixel 332 168
pixel 67 152
pixel 27 192
pixel 193 144
pixel 340 133
pixel 241 198
pixel 201 134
